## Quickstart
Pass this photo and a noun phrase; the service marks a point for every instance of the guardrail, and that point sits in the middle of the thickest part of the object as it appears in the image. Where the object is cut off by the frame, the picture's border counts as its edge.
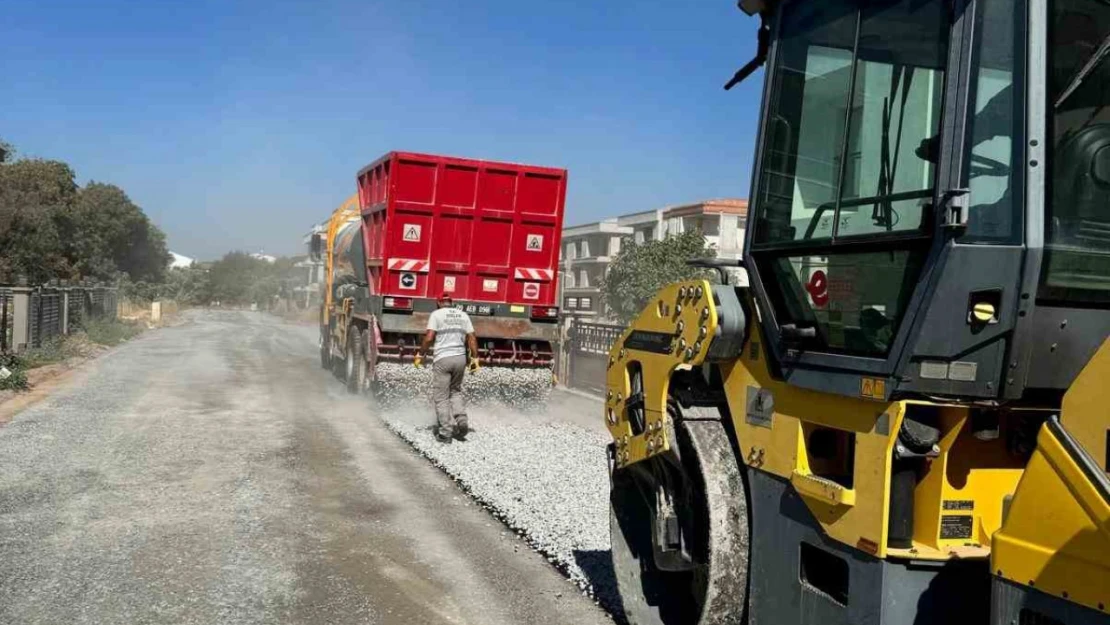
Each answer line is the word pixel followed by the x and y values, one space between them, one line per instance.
pixel 587 352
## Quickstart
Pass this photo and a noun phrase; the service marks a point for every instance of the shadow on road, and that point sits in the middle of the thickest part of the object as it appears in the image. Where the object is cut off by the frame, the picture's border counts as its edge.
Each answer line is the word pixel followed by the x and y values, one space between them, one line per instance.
pixel 598 568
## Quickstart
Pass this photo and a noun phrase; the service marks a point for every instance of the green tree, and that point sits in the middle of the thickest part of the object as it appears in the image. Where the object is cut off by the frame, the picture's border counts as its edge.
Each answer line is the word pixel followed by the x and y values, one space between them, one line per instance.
pixel 239 278
pixel 51 228
pixel 35 198
pixel 108 234
pixel 640 270
pixel 187 285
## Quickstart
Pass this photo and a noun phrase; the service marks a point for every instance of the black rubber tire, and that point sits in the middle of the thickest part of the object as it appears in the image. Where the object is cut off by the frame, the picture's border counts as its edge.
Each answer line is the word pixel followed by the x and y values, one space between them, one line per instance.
pixel 716 592
pixel 373 385
pixel 325 350
pixel 355 365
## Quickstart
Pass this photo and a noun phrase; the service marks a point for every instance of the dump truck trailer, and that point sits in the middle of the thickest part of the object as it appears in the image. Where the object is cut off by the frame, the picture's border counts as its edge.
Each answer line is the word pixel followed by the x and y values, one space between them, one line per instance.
pixel 486 233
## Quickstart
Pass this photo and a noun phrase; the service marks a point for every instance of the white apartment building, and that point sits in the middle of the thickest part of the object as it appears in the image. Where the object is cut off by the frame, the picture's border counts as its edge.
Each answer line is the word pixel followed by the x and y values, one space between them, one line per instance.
pixel 589 248
pixel 587 251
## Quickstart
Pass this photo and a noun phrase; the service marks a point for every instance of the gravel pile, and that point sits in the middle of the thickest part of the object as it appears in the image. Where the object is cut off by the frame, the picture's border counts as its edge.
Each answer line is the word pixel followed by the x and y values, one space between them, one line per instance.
pixel 402 384
pixel 545 479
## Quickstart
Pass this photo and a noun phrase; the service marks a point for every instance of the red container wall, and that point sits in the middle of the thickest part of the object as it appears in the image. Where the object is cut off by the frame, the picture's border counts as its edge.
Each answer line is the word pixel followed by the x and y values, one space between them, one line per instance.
pixel 479 230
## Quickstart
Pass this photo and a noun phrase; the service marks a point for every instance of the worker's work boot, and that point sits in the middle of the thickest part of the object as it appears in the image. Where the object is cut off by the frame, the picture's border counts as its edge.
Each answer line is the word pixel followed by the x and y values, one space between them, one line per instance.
pixel 444 435
pixel 462 427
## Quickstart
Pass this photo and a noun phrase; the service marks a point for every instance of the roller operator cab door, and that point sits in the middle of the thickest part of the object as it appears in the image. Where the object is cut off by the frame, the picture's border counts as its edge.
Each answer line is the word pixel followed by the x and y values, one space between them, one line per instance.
pixel 856 89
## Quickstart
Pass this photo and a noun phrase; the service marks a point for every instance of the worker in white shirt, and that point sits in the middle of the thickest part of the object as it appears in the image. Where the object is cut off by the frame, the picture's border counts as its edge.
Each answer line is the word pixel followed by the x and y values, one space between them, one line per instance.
pixel 450 334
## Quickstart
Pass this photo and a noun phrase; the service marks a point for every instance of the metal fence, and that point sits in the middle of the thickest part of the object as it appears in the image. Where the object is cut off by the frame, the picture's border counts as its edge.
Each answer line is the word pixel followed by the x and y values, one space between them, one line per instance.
pixel 32 316
pixel 88 303
pixel 46 315
pixel 588 346
pixel 6 310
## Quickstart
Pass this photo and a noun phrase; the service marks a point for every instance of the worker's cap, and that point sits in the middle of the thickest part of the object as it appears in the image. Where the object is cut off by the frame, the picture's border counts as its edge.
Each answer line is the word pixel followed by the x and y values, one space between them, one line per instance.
pixel 444 297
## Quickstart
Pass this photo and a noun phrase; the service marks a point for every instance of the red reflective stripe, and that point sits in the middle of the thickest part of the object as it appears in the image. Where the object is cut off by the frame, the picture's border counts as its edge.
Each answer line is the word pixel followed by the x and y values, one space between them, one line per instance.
pixel 404 264
pixel 524 273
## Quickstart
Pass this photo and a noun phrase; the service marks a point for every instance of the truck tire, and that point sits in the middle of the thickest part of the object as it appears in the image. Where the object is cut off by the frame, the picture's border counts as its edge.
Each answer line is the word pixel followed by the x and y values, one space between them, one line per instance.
pixel 325 350
pixel 356 361
pixel 714 592
pixel 372 384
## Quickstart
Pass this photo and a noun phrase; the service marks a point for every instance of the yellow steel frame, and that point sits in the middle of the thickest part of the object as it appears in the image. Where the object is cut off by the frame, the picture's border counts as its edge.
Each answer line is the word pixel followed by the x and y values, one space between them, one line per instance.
pixel 978 475
pixel 856 516
pixel 684 311
pixel 1056 537
pixel 347 212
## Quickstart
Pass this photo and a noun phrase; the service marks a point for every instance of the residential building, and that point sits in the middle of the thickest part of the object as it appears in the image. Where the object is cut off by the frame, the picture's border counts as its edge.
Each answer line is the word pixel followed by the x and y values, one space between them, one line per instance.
pixel 311 291
pixel 589 248
pixel 179 261
pixel 646 225
pixel 721 221
pixel 587 251
pixel 316 267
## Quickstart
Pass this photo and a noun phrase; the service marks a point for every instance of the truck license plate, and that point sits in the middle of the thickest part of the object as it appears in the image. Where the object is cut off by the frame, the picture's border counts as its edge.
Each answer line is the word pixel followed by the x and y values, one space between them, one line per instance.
pixel 476 309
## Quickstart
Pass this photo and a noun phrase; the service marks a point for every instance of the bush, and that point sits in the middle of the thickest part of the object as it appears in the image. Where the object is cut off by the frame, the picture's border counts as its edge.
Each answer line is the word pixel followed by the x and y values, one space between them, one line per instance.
pixel 57 349
pixel 52 350
pixel 17 381
pixel 110 332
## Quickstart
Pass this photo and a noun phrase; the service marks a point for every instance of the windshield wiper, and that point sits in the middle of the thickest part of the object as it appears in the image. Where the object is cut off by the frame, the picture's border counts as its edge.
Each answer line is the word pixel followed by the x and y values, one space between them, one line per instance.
pixel 883 212
pixel 1088 67
pixel 763 43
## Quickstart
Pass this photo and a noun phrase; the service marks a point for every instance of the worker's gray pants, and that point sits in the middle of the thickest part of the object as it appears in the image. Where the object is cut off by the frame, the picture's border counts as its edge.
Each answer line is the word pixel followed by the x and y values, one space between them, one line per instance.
pixel 447 380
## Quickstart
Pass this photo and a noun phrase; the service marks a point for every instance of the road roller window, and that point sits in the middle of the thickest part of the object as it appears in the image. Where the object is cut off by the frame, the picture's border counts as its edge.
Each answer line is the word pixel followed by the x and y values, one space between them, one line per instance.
pixel 996 126
pixel 856 93
pixel 1077 216
pixel 854 302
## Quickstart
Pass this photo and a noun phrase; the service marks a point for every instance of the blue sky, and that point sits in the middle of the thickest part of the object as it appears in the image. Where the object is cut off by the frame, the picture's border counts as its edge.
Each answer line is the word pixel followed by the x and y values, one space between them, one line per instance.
pixel 237 124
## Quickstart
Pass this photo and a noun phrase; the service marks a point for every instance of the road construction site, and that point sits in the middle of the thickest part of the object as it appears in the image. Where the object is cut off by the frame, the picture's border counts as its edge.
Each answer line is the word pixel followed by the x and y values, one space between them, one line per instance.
pixel 213 473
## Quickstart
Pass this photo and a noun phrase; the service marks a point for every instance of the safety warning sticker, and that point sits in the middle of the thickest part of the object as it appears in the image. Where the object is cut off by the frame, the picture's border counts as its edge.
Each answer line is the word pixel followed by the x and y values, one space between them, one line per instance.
pixel 412 233
pixel 953 526
pixel 449 284
pixel 489 285
pixel 531 290
pixel 872 388
pixel 408 281
pixel 535 243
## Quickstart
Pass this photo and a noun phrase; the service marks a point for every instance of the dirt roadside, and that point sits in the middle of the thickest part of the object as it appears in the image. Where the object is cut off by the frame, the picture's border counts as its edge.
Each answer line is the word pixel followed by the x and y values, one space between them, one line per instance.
pixel 44 381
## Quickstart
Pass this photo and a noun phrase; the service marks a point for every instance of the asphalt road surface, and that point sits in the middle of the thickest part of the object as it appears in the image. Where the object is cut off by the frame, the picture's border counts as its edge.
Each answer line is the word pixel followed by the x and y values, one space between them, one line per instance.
pixel 213 473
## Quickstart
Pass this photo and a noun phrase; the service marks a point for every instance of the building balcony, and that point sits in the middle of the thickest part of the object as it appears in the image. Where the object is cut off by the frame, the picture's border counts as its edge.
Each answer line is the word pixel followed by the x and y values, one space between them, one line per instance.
pixel 587 260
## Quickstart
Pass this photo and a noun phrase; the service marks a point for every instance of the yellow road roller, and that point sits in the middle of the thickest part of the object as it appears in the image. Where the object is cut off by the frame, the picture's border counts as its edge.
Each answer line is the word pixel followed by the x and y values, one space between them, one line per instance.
pixel 904 417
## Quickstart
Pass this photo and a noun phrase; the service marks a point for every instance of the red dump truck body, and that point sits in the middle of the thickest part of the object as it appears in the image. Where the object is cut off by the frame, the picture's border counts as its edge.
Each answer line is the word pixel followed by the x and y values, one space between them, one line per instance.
pixel 481 231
